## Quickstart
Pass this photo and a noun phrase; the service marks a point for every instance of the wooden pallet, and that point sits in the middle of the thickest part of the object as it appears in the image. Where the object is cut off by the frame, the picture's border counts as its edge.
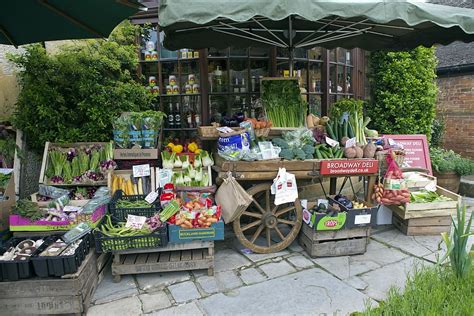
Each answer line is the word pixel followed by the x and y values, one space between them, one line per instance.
pixel 193 255
pixel 422 226
pixel 70 294
pixel 334 243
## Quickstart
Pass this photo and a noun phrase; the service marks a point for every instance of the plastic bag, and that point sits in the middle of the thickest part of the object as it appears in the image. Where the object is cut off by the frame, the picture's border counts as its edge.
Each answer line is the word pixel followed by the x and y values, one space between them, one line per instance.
pixel 234 146
pixel 284 187
pixel 52 192
pixel 298 138
pixel 395 189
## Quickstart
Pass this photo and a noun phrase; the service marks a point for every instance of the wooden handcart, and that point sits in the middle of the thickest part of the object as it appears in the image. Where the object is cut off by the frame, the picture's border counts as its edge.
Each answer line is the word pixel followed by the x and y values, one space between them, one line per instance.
pixel 265 227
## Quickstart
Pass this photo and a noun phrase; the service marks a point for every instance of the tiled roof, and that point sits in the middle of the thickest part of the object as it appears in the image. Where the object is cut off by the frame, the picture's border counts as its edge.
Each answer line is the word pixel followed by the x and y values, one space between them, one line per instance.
pixel 457 53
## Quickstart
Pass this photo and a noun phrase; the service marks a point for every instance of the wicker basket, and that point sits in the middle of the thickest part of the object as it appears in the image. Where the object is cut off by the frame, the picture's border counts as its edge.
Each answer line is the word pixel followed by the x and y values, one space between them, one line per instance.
pixel 208 132
pixel 262 132
pixel 382 158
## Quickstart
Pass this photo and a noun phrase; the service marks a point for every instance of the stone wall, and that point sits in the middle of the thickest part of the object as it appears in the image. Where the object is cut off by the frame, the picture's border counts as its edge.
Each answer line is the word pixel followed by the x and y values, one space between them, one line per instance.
pixel 9 88
pixel 456 103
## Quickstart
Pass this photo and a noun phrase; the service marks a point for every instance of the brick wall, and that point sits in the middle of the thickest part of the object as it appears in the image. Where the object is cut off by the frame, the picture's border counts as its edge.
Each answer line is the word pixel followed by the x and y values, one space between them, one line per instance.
pixel 456 102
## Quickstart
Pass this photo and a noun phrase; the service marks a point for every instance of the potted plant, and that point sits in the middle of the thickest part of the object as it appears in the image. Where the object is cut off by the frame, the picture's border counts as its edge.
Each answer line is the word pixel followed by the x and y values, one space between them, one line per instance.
pixel 448 167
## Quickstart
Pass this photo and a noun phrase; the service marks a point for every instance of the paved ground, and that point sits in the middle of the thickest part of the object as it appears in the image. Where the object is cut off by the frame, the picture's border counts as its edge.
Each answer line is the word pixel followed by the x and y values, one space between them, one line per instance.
pixel 288 282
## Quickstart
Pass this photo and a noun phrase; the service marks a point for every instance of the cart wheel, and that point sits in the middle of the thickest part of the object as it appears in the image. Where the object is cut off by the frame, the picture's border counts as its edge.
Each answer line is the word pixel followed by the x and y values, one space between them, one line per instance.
pixel 264 227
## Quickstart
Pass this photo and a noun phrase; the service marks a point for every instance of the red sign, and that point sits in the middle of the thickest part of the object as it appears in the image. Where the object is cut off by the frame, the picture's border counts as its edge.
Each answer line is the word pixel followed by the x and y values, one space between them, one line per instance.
pixel 349 167
pixel 417 154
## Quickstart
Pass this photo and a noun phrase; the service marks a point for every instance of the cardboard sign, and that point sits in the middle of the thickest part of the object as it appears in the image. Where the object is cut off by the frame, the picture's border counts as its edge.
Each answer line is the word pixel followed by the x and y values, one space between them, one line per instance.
pixel 141 171
pixel 417 154
pixel 348 167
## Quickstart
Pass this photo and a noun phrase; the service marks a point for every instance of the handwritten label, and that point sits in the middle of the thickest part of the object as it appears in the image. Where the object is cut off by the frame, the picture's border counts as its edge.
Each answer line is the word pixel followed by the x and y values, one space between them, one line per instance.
pixel 351 142
pixel 135 221
pixel 362 219
pixel 151 197
pixel 331 142
pixel 141 171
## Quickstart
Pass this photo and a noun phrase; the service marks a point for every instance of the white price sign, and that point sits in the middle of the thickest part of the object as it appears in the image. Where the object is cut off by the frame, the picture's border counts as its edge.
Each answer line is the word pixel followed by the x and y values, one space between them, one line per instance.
pixel 151 197
pixel 141 171
pixel 351 142
pixel 362 219
pixel 331 142
pixel 135 221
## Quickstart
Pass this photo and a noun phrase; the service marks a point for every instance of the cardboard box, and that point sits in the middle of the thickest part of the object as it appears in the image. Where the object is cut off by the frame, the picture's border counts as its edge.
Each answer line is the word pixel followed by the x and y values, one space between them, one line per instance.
pixel 360 217
pixel 9 200
pixel 177 234
pixel 326 222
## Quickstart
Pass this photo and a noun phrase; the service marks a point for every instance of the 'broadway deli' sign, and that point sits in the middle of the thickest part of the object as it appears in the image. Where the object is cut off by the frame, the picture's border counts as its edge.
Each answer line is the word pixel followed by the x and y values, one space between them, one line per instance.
pixel 347 167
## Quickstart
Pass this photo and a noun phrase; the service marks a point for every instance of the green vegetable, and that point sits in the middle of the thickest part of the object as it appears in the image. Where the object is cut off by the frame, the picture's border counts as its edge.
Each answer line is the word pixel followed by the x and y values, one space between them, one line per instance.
pixel 425 196
pixel 94 160
pixel 58 159
pixel 299 154
pixel 318 154
pixel 308 149
pixel 287 154
pixel 280 142
pixel 28 209
pixel 122 203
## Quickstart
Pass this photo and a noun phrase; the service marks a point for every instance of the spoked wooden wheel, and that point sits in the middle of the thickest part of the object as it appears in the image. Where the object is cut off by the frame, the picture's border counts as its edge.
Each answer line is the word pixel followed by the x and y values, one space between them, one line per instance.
pixel 265 227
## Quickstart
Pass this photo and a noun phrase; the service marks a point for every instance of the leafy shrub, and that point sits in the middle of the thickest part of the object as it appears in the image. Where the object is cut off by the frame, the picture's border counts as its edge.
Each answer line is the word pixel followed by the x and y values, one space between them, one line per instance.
pixel 437 132
pixel 443 160
pixel 73 96
pixel 403 91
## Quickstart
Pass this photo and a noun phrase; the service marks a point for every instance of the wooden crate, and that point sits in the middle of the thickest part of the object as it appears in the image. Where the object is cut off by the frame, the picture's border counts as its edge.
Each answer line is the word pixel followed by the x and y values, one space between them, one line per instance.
pixel 422 226
pixel 434 209
pixel 44 165
pixel 193 255
pixel 127 173
pixel 70 294
pixel 334 243
pixel 7 203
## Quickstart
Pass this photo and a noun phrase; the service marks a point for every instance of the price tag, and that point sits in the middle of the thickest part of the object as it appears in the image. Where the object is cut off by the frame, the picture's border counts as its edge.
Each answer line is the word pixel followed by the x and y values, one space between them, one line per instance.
pixel 70 208
pixel 351 142
pixel 331 142
pixel 362 219
pixel 164 177
pixel 141 171
pixel 391 142
pixel 135 221
pixel 151 197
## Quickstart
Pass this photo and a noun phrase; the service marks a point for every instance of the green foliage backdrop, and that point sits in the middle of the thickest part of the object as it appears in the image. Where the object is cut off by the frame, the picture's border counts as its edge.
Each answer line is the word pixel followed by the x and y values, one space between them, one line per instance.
pixel 403 91
pixel 73 95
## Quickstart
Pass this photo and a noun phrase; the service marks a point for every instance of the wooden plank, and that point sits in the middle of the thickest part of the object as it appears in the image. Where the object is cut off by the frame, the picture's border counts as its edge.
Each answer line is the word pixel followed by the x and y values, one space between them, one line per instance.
pixel 343 247
pixel 44 305
pixel 130 259
pixel 429 221
pixel 419 230
pixel 142 258
pixel 175 256
pixel 315 236
pixel 153 257
pixel 162 267
pixel 186 255
pixel 420 214
pixel 164 257
pixel 195 244
pixel 197 254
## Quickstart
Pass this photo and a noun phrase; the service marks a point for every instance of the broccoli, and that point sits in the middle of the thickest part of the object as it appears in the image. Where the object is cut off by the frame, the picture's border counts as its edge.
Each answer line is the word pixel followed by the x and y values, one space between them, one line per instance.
pixel 287 154
pixel 280 143
pixel 308 149
pixel 309 156
pixel 299 154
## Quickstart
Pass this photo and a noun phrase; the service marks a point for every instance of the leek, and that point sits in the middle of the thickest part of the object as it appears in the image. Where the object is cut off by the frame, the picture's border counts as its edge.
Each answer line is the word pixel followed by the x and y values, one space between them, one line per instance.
pixel 191 172
pixel 206 159
pixel 167 159
pixel 177 163
pixel 186 163
pixel 198 175
pixel 58 160
pixel 197 161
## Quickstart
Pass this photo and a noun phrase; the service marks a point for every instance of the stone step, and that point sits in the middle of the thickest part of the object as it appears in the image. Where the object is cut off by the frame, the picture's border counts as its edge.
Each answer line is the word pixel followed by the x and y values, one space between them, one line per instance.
pixel 466 187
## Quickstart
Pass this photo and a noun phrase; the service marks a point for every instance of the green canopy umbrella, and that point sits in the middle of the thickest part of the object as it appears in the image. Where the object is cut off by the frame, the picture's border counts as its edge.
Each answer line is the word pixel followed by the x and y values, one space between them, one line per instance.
pixel 367 24
pixel 30 21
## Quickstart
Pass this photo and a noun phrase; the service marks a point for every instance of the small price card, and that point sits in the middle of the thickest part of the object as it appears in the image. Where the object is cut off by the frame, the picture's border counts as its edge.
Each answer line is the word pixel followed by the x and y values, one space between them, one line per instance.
pixel 141 171
pixel 151 197
pixel 331 142
pixel 351 142
pixel 135 221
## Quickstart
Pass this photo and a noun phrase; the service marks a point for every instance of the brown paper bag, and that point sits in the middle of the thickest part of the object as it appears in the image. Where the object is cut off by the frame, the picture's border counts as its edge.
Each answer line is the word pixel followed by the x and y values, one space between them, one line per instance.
pixel 232 198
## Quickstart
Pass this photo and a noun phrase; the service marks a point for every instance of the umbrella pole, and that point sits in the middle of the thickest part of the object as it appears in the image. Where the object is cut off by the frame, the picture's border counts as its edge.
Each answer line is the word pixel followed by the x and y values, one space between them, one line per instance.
pixel 291 49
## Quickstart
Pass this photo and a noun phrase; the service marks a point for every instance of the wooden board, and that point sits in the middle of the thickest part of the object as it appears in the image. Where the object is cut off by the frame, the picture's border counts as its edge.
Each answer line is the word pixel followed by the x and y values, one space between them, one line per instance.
pixel 401 225
pixel 195 244
pixel 428 221
pixel 443 205
pixel 342 247
pixel 51 296
pixel 421 214
pixel 318 236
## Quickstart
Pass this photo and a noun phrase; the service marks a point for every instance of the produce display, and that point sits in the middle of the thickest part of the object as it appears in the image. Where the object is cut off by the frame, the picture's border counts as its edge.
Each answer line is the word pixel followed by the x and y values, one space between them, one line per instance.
pixel 187 173
pixel 22 251
pixel 138 203
pixel 80 165
pixel 138 129
pixel 131 185
pixel 76 193
pixel 60 248
pixel 425 196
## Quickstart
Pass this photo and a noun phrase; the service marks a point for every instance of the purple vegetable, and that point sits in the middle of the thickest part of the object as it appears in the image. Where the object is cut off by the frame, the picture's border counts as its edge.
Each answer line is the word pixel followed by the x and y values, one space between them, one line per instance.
pixel 319 136
pixel 57 179
pixel 71 154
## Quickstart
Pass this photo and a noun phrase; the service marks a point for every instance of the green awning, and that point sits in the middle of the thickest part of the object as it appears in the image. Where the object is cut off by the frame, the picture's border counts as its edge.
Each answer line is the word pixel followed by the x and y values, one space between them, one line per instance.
pixel 367 24
pixel 30 21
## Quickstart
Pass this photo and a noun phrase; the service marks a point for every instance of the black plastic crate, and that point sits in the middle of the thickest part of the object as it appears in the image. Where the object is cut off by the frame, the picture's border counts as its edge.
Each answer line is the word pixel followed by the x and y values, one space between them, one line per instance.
pixel 103 243
pixel 60 265
pixel 120 214
pixel 359 217
pixel 15 270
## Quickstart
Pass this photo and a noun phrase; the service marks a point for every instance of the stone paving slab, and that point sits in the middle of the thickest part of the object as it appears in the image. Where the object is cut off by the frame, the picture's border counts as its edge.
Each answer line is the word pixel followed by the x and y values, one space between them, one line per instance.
pixel 108 291
pixel 289 295
pixel 418 246
pixel 379 281
pixel 129 306
pixel 276 269
pixel 183 292
pixel 300 262
pixel 189 309
pixel 154 301
pixel 229 259
pixel 160 280
pixel 251 276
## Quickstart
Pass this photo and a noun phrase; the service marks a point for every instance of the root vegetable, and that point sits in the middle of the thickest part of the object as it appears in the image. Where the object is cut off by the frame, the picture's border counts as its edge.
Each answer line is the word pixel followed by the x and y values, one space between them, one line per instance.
pixel 359 152
pixel 350 152
pixel 369 150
